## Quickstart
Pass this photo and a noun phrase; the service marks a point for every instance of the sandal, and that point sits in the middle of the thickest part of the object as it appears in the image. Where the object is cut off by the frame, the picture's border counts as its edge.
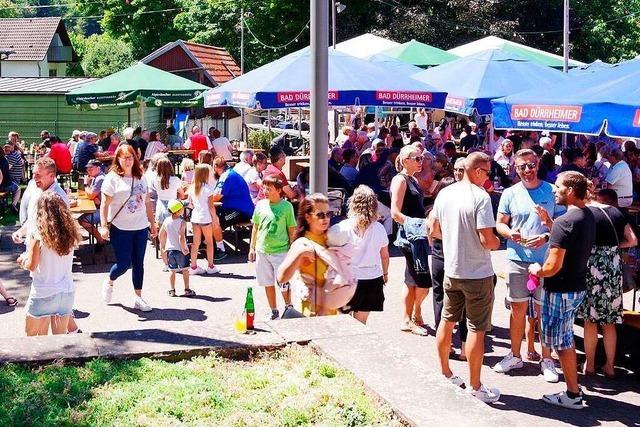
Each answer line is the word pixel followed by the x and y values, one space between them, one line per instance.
pixel 172 292
pixel 188 293
pixel 418 330
pixel 406 326
pixel 11 301
pixel 533 356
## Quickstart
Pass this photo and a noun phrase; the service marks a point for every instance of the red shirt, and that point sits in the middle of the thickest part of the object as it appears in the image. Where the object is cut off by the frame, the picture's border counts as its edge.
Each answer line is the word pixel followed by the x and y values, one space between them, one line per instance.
pixel 198 144
pixel 273 171
pixel 61 155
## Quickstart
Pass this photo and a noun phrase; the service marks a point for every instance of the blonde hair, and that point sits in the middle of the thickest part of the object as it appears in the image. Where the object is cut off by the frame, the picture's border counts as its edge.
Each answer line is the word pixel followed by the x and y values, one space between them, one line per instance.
pixel 201 177
pixel 405 153
pixel 187 164
pixel 363 207
pixel 56 226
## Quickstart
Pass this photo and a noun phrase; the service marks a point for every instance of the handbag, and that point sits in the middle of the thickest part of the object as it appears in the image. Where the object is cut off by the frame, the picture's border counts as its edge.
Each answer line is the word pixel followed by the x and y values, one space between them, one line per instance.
pixel 133 180
pixel 628 271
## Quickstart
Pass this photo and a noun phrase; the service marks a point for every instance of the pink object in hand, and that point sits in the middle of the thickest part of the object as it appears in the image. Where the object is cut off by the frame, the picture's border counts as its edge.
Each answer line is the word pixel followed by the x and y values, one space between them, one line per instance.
pixel 533 282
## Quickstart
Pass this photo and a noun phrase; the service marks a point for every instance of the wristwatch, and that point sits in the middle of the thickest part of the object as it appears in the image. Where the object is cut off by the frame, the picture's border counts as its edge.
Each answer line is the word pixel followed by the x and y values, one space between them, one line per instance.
pixel 546 237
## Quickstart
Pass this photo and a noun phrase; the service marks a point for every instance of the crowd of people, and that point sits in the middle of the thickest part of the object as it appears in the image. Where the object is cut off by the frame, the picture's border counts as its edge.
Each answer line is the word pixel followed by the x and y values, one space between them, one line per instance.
pixel 561 211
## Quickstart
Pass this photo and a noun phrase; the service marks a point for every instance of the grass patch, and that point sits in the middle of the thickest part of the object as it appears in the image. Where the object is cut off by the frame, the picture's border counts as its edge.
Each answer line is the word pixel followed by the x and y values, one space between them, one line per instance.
pixel 291 387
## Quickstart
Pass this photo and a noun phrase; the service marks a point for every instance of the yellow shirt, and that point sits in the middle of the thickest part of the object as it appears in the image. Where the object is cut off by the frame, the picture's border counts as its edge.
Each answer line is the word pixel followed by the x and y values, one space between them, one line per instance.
pixel 316 268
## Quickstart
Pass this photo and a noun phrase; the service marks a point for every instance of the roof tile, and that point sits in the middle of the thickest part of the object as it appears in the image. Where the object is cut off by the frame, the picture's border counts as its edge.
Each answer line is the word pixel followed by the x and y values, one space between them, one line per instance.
pixel 30 38
pixel 216 60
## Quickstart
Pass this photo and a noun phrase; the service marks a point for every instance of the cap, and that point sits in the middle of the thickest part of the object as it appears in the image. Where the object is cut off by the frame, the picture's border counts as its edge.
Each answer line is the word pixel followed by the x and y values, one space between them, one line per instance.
pixel 94 162
pixel 76 132
pixel 175 206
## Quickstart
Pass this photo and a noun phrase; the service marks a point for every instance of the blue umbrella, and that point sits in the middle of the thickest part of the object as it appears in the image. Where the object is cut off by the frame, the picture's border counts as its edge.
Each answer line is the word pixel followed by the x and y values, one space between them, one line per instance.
pixel 286 83
pixel 473 81
pixel 594 67
pixel 394 64
pixel 608 99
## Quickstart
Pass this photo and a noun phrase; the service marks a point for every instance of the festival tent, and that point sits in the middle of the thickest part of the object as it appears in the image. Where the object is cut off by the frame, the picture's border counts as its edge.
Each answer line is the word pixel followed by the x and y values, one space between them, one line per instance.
pixel 530 53
pixel 473 81
pixel 138 85
pixel 365 45
pixel 286 83
pixel 607 100
pixel 419 54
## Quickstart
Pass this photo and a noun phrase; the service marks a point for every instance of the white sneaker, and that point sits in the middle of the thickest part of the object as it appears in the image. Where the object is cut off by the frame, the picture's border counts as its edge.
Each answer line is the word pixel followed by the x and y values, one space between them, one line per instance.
pixel 508 363
pixel 197 270
pixel 484 394
pixel 561 399
pixel 456 380
pixel 165 268
pixel 549 372
pixel 140 304
pixel 107 291
pixel 212 270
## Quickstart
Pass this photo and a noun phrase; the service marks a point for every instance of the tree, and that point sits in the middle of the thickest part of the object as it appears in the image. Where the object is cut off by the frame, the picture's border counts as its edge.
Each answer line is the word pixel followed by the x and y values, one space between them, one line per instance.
pixel 269 24
pixel 104 55
pixel 8 9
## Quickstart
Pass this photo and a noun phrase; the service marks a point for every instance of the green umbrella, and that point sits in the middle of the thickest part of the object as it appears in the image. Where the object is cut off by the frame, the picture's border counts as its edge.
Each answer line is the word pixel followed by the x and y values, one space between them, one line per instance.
pixel 138 85
pixel 419 54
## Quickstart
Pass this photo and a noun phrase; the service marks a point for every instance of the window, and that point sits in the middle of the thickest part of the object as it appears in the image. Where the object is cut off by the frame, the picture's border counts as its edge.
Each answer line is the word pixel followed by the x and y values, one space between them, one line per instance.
pixel 53 72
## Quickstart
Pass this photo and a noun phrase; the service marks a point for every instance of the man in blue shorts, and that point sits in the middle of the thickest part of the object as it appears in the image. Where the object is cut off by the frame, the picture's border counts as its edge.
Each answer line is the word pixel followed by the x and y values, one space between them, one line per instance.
pixel 565 271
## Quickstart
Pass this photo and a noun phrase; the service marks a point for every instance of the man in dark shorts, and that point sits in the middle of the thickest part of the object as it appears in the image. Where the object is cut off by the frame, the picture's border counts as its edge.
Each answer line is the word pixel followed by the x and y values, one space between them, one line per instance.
pixel 233 192
pixel 565 272
pixel 464 221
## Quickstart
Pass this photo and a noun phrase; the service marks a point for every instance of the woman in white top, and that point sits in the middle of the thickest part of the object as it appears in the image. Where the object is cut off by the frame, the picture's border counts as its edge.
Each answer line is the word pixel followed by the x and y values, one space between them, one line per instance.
pixel 506 158
pixel 167 186
pixel 49 258
pixel 154 146
pixel 126 214
pixel 370 260
pixel 203 219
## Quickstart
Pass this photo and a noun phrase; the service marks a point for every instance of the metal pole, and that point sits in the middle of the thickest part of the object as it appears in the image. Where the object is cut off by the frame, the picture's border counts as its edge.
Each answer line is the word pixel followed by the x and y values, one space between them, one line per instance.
pixel 242 69
pixel 319 93
pixel 565 52
pixel 333 23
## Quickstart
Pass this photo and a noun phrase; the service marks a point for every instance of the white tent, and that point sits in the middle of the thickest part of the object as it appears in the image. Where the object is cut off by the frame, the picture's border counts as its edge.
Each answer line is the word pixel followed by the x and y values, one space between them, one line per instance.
pixel 530 53
pixel 365 45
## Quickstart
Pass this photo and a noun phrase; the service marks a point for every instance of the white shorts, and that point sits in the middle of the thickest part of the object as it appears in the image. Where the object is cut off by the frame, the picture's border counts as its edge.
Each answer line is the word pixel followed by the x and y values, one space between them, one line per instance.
pixel 267 267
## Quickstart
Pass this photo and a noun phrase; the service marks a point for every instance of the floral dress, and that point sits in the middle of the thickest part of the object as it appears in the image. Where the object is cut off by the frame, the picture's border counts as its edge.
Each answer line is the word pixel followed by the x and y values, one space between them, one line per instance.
pixel 603 300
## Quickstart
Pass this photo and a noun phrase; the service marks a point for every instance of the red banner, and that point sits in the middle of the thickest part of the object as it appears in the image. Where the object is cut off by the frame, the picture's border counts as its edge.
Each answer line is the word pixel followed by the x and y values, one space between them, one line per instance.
pixel 301 97
pixel 556 113
pixel 391 96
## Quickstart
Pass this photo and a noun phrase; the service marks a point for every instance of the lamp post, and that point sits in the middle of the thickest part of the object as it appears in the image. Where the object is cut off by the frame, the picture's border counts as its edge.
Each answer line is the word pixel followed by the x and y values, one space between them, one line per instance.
pixel 319 92
pixel 337 8
pixel 565 52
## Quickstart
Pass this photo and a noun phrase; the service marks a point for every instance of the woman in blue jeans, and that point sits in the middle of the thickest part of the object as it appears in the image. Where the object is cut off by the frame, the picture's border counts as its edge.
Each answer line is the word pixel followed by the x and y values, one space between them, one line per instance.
pixel 126 214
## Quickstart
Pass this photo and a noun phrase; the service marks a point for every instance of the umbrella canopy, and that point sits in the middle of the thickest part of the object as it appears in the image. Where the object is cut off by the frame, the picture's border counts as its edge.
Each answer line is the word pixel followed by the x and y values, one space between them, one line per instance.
pixel 530 53
pixel 393 64
pixel 419 54
pixel 594 67
pixel 473 81
pixel 365 45
pixel 608 99
pixel 286 83
pixel 138 84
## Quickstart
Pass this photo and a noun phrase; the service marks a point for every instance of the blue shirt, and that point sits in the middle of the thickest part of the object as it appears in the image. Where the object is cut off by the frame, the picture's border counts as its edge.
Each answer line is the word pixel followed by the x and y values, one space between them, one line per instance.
pixel 84 152
pixel 235 193
pixel 519 203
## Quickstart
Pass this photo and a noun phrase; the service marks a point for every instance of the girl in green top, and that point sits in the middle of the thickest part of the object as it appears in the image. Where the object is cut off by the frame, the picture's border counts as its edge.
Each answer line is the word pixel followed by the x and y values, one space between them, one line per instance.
pixel 273 230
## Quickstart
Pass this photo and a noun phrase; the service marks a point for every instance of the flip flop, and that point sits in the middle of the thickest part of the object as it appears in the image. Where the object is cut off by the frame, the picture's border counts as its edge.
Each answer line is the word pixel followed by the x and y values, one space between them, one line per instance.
pixel 418 330
pixel 11 301
pixel 188 293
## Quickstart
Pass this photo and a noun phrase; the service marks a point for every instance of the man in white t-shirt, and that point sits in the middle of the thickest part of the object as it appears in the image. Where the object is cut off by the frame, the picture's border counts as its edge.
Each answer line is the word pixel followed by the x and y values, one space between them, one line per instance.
pixel 422 120
pixel 619 177
pixel 44 178
pixel 221 145
pixel 464 221
pixel 245 163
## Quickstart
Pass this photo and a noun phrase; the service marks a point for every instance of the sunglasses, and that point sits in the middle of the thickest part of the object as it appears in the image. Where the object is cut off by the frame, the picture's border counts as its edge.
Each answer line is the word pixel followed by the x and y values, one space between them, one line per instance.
pixel 459 170
pixel 323 215
pixel 530 166
pixel 418 159
pixel 486 170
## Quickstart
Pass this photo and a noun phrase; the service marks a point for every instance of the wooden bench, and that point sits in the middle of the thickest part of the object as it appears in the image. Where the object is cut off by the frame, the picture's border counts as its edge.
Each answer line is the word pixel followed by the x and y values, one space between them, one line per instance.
pixel 236 229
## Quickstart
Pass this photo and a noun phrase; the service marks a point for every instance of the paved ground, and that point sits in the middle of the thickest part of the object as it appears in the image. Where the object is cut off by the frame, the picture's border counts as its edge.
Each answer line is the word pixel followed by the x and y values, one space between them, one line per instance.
pixel 610 402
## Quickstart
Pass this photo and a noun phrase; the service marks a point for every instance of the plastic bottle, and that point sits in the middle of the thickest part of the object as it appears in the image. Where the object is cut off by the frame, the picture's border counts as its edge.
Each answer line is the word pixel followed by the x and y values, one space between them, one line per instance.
pixel 533 282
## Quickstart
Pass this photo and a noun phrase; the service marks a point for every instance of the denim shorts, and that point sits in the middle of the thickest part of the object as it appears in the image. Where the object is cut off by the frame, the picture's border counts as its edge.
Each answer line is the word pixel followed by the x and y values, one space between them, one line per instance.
pixel 60 304
pixel 177 261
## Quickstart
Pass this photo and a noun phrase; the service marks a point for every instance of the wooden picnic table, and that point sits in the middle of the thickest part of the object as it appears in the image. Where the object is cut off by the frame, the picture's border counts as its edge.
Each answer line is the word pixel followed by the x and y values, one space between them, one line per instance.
pixel 83 205
pixel 181 152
